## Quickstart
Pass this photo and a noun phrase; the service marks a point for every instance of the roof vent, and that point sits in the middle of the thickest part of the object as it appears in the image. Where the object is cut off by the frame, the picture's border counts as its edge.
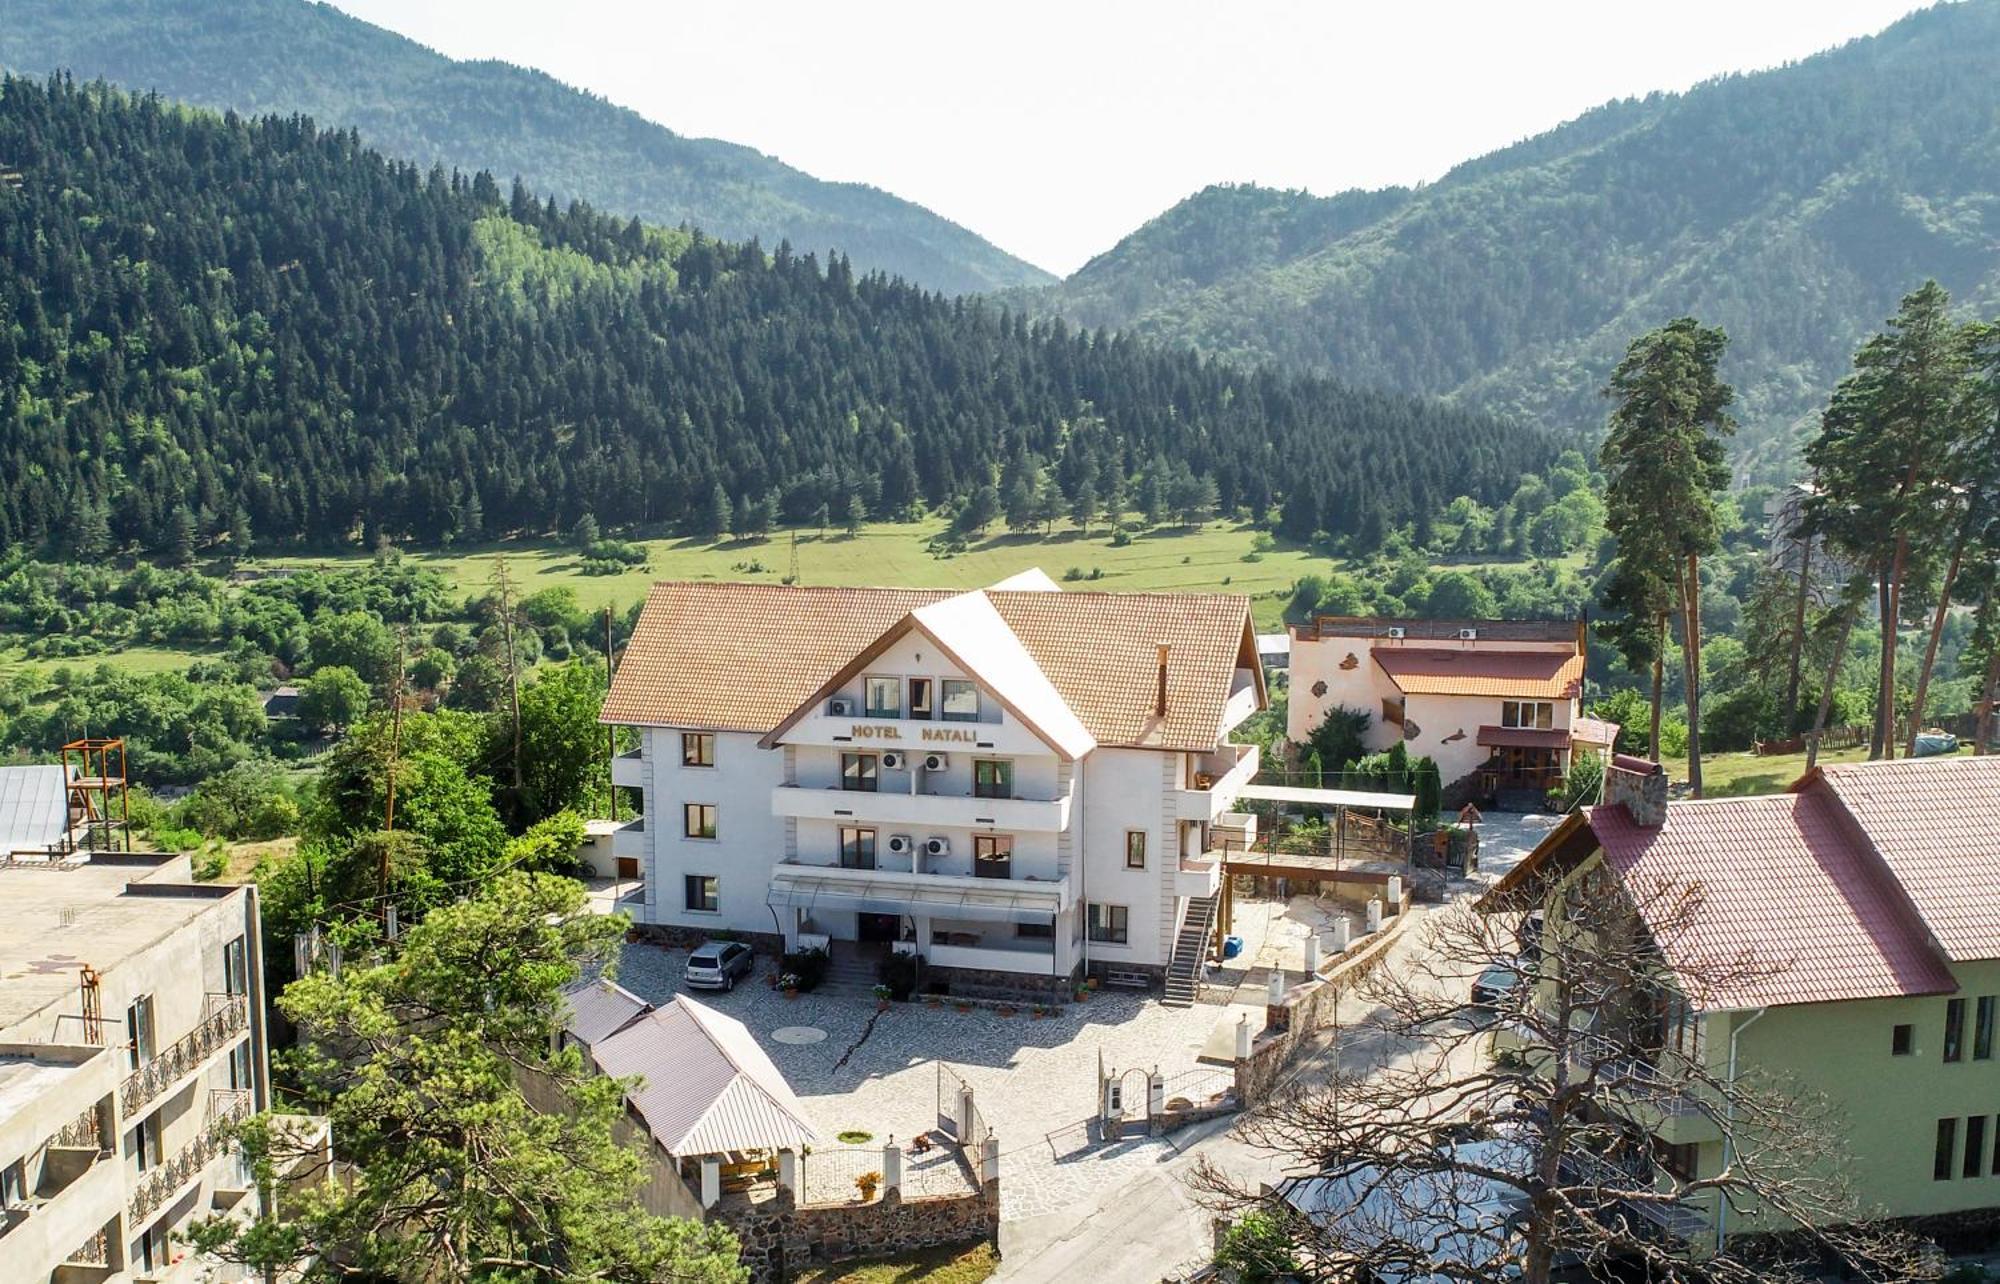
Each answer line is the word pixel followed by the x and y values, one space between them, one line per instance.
pixel 1160 698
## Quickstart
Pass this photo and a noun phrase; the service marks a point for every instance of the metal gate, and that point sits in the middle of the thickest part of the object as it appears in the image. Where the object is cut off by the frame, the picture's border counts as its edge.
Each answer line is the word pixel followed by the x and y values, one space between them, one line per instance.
pixel 949 1086
pixel 1133 1088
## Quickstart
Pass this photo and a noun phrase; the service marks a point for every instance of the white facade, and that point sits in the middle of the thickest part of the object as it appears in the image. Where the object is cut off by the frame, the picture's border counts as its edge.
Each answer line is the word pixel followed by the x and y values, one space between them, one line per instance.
pixel 114 1095
pixel 913 804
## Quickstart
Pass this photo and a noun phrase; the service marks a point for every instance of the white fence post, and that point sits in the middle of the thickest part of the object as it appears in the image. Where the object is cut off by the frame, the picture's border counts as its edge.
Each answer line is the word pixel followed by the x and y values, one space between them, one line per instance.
pixel 1341 930
pixel 711 1181
pixel 788 1171
pixel 989 1160
pixel 1156 1094
pixel 1375 915
pixel 1243 1037
pixel 1312 954
pixel 892 1168
pixel 965 1137
pixel 1275 994
pixel 1395 897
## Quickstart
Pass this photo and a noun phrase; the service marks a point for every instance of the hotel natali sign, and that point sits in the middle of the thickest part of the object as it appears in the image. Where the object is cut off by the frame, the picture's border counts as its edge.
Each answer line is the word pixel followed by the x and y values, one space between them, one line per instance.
pixel 930 735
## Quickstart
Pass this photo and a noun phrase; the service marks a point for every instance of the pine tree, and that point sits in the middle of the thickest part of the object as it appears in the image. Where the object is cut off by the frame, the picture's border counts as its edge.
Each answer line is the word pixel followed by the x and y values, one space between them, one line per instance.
pixel 584 534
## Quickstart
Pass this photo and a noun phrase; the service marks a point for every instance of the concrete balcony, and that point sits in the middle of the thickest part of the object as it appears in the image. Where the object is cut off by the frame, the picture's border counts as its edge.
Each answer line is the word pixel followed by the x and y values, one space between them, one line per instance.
pixel 1218 778
pixel 629 769
pixel 922 812
pixel 1198 875
pixel 810 888
pixel 629 840
pixel 45 1233
pixel 158 1186
pixel 996 953
pixel 225 1020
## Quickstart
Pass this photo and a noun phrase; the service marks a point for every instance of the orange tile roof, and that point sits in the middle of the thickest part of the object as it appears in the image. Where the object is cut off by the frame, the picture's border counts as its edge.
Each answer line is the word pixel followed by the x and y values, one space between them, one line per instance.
pixel 1936 824
pixel 1594 731
pixel 1784 883
pixel 740 657
pixel 1525 675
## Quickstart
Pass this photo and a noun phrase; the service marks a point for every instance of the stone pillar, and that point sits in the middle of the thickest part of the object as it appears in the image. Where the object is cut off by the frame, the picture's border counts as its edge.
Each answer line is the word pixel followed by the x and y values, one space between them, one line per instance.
pixel 1276 993
pixel 892 1168
pixel 1375 915
pixel 1109 1107
pixel 788 1171
pixel 1395 896
pixel 711 1181
pixel 1312 954
pixel 989 1160
pixel 965 1116
pixel 1243 1036
pixel 1156 1094
pixel 1339 933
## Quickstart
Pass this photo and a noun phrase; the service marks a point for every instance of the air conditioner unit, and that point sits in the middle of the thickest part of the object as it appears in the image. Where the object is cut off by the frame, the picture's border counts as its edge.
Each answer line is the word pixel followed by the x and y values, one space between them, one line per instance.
pixel 892 761
pixel 1467 635
pixel 900 844
pixel 840 707
pixel 1397 633
pixel 935 846
pixel 936 761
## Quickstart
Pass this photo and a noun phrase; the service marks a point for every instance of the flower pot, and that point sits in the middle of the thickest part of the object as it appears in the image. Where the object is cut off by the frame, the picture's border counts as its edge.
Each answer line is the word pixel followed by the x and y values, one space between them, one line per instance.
pixel 881 1005
pixel 791 993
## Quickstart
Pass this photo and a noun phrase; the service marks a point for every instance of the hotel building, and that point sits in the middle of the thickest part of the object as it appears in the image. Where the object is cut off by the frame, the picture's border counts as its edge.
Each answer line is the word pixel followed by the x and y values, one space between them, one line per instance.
pixel 1015 783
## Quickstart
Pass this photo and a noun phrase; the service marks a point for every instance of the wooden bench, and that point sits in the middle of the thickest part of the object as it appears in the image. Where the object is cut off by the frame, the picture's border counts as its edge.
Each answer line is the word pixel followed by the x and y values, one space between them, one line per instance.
pixel 1130 980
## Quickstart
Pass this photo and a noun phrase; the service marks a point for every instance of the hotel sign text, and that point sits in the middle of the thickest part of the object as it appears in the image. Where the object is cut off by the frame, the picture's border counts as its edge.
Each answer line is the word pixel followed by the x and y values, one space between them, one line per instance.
pixel 930 735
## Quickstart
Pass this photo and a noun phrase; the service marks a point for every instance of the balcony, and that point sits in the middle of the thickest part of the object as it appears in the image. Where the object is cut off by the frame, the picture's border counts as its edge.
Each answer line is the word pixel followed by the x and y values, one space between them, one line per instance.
pixel 1655 1099
pixel 920 812
pixel 1198 875
pixel 224 1018
pixel 997 951
pixel 157 1186
pixel 629 769
pixel 810 888
pixel 1216 779
pixel 629 840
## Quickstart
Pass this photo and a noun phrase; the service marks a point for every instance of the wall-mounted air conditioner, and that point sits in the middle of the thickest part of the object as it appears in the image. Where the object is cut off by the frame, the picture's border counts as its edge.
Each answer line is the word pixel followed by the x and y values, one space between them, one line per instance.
pixel 1397 633
pixel 937 846
pixel 936 761
pixel 892 761
pixel 1467 635
pixel 900 844
pixel 840 707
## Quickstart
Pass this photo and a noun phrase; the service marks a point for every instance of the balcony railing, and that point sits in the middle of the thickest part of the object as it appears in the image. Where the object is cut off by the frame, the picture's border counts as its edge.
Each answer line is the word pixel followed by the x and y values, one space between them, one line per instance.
pixel 95 1251
pixel 1626 1070
pixel 224 1016
pixel 81 1133
pixel 226 1107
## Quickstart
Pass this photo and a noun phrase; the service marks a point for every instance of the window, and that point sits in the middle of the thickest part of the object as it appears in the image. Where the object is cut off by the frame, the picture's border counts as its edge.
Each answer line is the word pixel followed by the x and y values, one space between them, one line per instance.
pixel 1954 1030
pixel 697 749
pixel 1902 1040
pixel 1036 931
pixel 14 1184
pixel 858 771
pixel 240 1074
pixel 702 892
pixel 149 1251
pixel 1135 849
pixel 1947 1143
pixel 1975 1145
pixel 920 699
pixel 1107 924
pixel 698 820
pixel 882 697
pixel 857 848
pixel 961 701
pixel 992 856
pixel 145 1144
pixel 1536 714
pixel 235 968
pixel 992 778
pixel 139 1031
pixel 1982 1030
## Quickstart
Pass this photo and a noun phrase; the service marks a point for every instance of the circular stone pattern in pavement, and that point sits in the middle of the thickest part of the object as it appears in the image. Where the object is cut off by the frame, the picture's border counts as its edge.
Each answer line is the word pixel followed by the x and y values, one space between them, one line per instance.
pixel 798 1034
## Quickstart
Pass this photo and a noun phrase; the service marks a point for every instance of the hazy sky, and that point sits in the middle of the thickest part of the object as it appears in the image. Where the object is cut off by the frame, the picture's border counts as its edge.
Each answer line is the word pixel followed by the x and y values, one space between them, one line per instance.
pixel 1054 128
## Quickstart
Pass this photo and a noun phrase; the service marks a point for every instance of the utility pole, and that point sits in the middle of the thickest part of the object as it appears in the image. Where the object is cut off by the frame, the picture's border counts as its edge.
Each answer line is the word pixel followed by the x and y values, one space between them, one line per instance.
pixel 395 755
pixel 610 732
pixel 513 661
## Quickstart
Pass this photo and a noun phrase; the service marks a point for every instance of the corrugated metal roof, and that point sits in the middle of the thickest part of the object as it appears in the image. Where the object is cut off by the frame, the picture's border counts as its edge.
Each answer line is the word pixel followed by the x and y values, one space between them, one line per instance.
pixel 34 809
pixel 1936 824
pixel 707 1088
pixel 1786 885
pixel 598 1009
pixel 1529 675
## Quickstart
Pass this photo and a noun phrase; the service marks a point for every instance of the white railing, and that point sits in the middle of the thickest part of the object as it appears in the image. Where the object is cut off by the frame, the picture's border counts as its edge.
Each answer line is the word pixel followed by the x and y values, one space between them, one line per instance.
pixel 224 1016
pixel 1623 1068
pixel 226 1107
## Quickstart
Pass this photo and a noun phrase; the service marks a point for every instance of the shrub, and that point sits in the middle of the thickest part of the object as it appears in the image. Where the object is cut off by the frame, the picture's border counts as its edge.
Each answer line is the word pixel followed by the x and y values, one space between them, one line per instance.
pixel 901 974
pixel 1257 1250
pixel 1120 538
pixel 808 966
pixel 1073 574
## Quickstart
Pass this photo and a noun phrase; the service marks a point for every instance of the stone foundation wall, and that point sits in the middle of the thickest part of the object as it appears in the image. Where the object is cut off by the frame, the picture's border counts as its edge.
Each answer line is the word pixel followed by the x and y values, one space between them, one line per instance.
pixel 1307 1007
pixel 675 937
pixel 986 983
pixel 781 1237
pixel 1156 973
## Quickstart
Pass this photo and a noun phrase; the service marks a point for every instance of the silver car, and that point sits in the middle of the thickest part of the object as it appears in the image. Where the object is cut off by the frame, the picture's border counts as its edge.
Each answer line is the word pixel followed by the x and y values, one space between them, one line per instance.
pixel 715 965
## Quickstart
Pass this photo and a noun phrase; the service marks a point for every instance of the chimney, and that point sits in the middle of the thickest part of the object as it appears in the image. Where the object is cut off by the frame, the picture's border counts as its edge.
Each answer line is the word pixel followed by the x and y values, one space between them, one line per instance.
pixel 1160 699
pixel 1639 785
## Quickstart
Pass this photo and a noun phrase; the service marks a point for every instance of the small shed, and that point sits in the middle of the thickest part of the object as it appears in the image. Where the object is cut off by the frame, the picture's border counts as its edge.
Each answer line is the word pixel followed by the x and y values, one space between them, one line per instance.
pixel 596 856
pixel 34 811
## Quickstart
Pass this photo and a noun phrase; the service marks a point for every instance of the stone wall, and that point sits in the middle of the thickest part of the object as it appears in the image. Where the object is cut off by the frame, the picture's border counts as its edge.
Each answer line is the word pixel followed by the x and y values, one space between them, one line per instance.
pixel 1306 1008
pixel 675 937
pixel 782 1237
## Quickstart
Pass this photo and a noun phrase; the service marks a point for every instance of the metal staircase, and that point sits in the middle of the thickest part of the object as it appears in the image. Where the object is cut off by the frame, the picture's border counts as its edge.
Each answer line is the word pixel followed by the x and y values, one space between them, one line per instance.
pixel 1191 949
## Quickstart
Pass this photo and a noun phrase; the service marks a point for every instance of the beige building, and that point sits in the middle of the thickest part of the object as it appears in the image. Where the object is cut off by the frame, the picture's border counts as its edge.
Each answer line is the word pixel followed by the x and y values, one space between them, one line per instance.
pixel 131 1035
pixel 1497 704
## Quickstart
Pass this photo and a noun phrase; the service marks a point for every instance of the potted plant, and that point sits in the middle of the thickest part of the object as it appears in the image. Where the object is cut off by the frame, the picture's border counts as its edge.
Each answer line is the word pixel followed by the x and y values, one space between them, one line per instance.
pixel 882 995
pixel 866 1184
pixel 789 983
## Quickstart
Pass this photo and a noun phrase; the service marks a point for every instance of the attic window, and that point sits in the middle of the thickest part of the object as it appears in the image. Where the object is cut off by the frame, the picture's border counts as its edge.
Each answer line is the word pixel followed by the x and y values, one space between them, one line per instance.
pixel 961 700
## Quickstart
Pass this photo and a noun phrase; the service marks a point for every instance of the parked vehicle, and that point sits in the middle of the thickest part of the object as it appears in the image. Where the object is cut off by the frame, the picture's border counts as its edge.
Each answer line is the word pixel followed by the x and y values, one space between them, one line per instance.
pixel 715 965
pixel 1492 986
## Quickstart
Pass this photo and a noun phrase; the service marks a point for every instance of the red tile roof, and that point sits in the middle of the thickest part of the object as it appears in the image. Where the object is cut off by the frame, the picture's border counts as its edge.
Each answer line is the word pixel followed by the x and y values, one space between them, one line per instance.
pixel 1523 738
pixel 1936 824
pixel 1786 884
pixel 1527 675
pixel 1594 731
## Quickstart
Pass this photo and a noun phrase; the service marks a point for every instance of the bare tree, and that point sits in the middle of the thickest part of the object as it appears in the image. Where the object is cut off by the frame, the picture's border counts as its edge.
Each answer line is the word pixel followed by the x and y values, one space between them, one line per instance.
pixel 1448 1161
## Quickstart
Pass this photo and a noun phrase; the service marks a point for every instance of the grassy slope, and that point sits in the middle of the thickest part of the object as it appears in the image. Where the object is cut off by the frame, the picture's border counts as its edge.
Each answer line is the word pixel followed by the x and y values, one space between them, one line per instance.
pixel 1731 775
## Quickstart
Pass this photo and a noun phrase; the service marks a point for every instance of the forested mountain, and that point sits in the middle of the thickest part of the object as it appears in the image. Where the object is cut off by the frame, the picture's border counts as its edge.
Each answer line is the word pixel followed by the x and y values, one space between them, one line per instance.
pixel 1792 207
pixel 293 56
pixel 230 328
